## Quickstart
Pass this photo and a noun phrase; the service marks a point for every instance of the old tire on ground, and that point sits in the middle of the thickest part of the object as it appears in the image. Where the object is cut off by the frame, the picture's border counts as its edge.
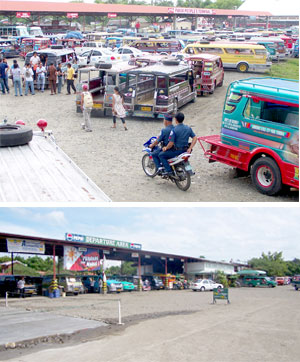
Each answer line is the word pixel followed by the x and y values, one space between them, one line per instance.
pixel 14 135
pixel 171 62
pixel 242 67
pixel 266 176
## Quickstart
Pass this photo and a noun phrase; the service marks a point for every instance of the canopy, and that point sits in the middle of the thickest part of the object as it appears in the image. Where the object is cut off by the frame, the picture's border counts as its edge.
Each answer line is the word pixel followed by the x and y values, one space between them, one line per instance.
pixel 251 272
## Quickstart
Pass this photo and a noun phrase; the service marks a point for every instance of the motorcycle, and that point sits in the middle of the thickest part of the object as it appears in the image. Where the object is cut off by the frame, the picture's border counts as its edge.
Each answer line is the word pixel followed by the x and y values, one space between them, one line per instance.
pixel 180 165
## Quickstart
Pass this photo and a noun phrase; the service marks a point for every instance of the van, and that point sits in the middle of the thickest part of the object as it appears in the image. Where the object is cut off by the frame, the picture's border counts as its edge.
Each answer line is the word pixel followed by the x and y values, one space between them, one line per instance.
pixel 158 89
pixel 165 46
pixel 68 284
pixel 239 56
pixel 260 132
pixel 208 72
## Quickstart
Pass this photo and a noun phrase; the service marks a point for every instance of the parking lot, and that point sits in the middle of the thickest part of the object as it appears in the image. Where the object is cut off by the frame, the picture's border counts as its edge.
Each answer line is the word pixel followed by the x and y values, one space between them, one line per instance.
pixel 260 324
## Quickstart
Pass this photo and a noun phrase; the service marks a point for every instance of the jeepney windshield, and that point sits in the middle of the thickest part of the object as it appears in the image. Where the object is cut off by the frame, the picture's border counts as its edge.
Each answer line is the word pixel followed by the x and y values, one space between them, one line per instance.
pixel 130 82
pixel 208 66
pixel 145 82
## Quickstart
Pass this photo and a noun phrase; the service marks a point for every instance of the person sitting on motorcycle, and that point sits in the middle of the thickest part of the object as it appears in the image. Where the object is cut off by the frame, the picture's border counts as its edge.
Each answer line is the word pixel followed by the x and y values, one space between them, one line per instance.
pixel 163 138
pixel 178 143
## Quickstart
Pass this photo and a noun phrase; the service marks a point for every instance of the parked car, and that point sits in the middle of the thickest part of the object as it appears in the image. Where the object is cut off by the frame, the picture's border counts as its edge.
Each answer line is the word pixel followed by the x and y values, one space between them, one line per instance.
pixel 258 281
pixel 94 56
pixel 155 282
pixel 68 284
pixel 205 284
pixel 114 286
pixel 280 280
pixel 8 283
pixel 127 52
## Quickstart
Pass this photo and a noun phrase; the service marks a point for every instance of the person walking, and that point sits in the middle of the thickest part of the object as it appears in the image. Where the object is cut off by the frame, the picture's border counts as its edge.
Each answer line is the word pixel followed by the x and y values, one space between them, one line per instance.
pixel 21 285
pixel 41 76
pixel 28 74
pixel 70 79
pixel 34 61
pixel 86 107
pixel 118 108
pixel 52 78
pixel 60 74
pixel 16 74
pixel 3 75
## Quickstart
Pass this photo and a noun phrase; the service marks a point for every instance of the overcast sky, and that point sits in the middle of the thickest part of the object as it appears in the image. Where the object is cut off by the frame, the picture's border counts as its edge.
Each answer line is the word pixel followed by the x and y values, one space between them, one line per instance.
pixel 218 233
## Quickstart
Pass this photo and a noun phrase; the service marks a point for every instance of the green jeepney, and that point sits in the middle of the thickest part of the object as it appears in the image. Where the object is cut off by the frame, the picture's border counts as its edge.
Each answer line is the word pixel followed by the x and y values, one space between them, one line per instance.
pixel 256 278
pixel 260 132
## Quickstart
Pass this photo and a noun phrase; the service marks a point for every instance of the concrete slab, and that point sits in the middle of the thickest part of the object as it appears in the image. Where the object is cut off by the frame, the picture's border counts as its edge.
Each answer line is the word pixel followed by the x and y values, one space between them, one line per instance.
pixel 17 325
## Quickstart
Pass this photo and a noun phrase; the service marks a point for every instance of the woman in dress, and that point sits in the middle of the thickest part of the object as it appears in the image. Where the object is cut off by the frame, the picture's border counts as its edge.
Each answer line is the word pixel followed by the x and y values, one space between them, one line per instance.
pixel 118 108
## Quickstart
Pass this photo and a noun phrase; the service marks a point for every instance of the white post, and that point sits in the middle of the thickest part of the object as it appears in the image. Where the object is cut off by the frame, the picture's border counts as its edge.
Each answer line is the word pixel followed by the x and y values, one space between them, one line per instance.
pixel 6 299
pixel 120 317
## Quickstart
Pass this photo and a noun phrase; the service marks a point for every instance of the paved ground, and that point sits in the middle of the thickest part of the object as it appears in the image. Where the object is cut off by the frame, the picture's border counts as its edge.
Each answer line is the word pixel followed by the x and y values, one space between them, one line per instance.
pixel 259 325
pixel 112 157
pixel 17 325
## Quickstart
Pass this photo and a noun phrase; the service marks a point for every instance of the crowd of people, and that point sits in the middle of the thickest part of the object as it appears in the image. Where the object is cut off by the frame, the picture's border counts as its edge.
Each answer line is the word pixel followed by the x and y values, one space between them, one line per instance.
pixel 36 70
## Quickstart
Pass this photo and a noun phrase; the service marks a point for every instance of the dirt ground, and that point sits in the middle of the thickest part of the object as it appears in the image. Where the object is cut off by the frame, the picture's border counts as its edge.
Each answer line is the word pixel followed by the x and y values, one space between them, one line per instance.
pixel 112 158
pixel 258 325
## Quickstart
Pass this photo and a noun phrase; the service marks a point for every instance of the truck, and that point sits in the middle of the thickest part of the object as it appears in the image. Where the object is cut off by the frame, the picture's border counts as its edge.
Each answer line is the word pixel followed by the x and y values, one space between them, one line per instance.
pixel 259 132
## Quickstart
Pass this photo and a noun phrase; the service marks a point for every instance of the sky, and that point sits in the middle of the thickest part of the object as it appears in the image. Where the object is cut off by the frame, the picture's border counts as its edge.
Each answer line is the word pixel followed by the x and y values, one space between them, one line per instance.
pixel 218 233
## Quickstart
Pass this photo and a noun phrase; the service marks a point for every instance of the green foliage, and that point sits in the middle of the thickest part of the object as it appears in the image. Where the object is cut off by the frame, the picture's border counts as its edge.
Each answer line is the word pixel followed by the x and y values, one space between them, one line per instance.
pixel 22 270
pixel 127 268
pixel 232 279
pixel 273 264
pixel 113 270
pixel 220 277
pixel 288 69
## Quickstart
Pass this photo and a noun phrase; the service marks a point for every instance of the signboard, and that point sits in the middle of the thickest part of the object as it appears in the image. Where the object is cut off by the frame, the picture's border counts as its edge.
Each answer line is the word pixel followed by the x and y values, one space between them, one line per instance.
pixel 220 293
pixel 191 11
pixel 25 246
pixel 22 15
pixel 77 259
pixel 101 241
pixel 72 15
pixel 112 15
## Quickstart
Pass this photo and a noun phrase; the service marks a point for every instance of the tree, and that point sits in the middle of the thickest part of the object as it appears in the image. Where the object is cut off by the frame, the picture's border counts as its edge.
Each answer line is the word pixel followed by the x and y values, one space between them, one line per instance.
pixel 220 277
pixel 273 264
pixel 127 268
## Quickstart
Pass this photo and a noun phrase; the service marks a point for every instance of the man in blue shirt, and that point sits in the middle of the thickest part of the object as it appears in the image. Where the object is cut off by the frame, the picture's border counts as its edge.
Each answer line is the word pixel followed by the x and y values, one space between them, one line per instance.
pixel 163 139
pixel 3 75
pixel 178 143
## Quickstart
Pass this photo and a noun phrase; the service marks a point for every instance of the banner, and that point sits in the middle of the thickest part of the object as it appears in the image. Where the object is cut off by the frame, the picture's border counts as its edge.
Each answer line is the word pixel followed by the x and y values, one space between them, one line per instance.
pixel 191 11
pixel 72 15
pixel 111 15
pixel 101 241
pixel 25 246
pixel 23 15
pixel 81 259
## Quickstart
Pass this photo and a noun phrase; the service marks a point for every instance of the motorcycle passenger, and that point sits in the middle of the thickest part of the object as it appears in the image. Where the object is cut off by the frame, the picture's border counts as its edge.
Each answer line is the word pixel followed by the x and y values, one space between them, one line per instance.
pixel 178 143
pixel 164 139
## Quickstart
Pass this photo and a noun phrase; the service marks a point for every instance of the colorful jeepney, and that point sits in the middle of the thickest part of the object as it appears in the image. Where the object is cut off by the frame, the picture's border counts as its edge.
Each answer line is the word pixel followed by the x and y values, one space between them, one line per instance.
pixel 260 132
pixel 33 44
pixel 101 81
pixel 158 89
pixel 208 72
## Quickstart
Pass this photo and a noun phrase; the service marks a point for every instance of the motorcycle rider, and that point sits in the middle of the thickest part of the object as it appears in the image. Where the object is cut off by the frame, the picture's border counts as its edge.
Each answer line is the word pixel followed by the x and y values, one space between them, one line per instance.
pixel 178 143
pixel 163 138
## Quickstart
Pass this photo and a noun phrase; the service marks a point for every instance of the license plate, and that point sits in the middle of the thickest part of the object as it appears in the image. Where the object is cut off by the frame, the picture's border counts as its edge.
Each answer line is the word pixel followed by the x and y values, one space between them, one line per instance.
pixel 99 105
pixel 147 109
pixel 188 167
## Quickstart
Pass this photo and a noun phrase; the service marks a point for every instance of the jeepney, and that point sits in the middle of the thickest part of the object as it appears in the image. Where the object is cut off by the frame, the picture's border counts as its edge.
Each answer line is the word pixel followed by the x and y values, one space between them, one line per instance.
pixel 158 89
pixel 296 282
pixel 33 44
pixel 101 81
pixel 260 132
pixel 208 72
pixel 8 48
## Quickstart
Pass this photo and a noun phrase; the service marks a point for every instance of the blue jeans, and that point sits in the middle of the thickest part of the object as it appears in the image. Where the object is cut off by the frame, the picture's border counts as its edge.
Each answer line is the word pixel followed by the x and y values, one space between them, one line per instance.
pixel 17 85
pixel 41 82
pixel 165 156
pixel 4 85
pixel 29 84
pixel 59 85
pixel 155 157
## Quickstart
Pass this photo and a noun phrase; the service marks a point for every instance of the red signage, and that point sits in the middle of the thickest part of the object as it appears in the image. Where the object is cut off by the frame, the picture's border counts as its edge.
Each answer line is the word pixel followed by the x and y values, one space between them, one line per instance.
pixel 23 15
pixel 72 15
pixel 112 15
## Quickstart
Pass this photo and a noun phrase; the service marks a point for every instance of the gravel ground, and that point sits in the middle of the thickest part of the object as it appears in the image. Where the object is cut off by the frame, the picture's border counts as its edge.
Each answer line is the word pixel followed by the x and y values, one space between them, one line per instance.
pixel 112 158
pixel 258 325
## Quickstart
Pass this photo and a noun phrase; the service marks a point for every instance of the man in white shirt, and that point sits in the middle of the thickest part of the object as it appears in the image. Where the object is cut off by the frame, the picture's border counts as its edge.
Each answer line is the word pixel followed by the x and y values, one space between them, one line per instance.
pixel 21 287
pixel 28 74
pixel 34 61
pixel 41 75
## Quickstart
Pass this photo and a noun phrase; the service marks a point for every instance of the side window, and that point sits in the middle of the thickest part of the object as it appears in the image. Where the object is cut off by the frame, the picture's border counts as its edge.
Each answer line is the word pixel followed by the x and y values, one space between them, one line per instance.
pixel 253 109
pixel 280 114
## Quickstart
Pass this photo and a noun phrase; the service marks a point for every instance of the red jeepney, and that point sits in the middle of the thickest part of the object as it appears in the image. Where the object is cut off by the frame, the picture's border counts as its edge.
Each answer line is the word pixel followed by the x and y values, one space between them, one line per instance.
pixel 33 44
pixel 70 43
pixel 208 72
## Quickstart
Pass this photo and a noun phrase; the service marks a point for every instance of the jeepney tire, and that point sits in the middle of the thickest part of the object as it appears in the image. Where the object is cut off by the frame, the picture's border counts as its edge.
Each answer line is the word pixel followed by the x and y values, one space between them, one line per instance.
pixel 103 65
pixel 276 185
pixel 14 135
pixel 242 67
pixel 296 288
pixel 221 83
pixel 171 62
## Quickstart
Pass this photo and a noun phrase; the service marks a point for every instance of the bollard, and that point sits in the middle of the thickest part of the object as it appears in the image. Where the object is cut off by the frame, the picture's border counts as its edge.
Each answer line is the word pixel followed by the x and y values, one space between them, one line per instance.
pixel 167 283
pixel 104 288
pixel 120 316
pixel 6 299
pixel 140 285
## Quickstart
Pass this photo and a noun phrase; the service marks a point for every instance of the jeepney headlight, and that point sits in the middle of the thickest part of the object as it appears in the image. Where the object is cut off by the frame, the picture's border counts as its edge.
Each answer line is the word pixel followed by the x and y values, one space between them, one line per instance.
pixel 161 91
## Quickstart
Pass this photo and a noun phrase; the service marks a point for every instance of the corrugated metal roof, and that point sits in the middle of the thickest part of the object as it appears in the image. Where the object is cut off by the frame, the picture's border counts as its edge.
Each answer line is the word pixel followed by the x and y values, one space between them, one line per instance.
pixel 48 7
pixel 41 172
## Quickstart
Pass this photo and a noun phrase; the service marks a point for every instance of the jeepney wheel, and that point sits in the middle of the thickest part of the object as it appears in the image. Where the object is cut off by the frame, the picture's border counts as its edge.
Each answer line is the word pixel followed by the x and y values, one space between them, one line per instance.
pixel 221 83
pixel 184 181
pixel 149 166
pixel 213 88
pixel 242 67
pixel 296 288
pixel 266 176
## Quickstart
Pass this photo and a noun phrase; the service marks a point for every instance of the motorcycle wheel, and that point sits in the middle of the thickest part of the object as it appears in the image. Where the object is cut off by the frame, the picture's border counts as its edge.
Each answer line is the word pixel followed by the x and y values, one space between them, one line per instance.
pixel 184 181
pixel 149 166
